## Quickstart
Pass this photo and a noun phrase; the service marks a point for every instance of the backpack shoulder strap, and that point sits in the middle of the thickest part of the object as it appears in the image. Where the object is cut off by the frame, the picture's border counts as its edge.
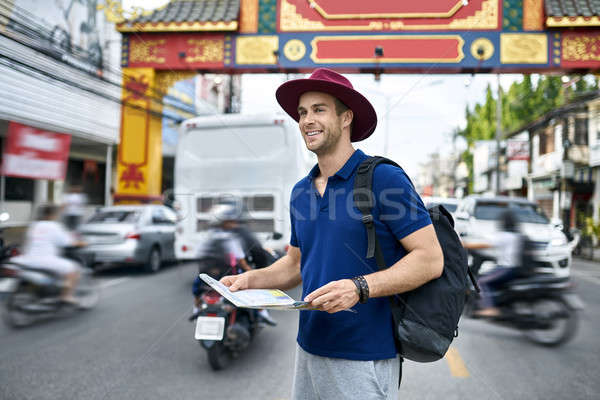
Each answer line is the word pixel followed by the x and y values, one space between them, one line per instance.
pixel 364 201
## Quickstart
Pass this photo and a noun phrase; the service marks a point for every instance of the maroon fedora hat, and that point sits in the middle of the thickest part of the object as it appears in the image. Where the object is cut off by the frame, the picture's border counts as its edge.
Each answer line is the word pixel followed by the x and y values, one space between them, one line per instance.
pixel 330 82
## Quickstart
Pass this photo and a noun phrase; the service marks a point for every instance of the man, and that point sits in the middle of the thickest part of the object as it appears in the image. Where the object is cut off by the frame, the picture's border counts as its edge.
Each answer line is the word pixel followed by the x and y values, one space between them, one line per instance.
pixel 45 241
pixel 344 355
pixel 511 261
pixel 223 251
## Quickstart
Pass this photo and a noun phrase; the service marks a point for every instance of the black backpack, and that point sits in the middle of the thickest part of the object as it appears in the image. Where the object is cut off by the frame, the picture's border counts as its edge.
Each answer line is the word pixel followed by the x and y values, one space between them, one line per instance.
pixel 426 318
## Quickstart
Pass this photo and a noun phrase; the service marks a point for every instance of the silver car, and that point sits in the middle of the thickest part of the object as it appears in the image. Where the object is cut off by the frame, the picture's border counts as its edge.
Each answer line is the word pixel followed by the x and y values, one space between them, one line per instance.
pixel 130 234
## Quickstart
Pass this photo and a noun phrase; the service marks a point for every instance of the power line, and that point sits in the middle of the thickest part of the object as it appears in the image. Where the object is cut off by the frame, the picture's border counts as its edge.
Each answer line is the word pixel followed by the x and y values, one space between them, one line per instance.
pixel 33 30
pixel 23 67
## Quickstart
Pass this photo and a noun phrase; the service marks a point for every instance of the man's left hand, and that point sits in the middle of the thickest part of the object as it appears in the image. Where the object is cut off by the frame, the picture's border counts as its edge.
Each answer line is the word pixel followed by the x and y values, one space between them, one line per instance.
pixel 335 296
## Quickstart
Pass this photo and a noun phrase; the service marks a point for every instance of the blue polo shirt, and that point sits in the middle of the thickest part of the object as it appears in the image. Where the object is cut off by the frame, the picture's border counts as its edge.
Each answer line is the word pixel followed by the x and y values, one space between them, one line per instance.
pixel 333 241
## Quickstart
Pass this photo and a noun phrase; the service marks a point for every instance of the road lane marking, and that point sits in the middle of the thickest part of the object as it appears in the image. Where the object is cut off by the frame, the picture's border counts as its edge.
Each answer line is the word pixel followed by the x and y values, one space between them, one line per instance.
pixel 113 282
pixel 457 366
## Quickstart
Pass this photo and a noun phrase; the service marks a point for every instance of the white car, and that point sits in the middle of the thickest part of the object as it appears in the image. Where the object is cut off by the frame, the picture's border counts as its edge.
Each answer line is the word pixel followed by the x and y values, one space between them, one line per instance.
pixel 449 203
pixel 477 218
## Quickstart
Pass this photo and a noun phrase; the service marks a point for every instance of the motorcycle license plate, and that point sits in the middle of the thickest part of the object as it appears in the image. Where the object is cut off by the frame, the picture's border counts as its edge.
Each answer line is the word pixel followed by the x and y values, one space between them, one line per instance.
pixel 210 328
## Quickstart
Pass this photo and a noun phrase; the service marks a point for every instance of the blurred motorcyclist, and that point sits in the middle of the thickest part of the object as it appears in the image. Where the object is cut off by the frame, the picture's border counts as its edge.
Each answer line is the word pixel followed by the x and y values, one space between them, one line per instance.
pixel 44 243
pixel 509 244
pixel 235 241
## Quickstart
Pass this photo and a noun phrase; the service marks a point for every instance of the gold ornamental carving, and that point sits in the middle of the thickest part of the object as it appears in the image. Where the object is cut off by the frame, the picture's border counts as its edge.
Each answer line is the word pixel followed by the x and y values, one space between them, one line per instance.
pixel 581 48
pixel 249 16
pixel 294 50
pixel 114 11
pixel 166 79
pixel 292 21
pixel 482 49
pixel 523 48
pixel 532 15
pixel 256 49
pixel 150 51
pixel 178 26
pixel 204 50
pixel 486 18
pixel 569 22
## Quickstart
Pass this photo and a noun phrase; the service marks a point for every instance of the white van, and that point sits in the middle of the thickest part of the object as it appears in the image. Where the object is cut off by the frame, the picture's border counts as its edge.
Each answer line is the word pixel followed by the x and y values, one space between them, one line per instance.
pixel 255 158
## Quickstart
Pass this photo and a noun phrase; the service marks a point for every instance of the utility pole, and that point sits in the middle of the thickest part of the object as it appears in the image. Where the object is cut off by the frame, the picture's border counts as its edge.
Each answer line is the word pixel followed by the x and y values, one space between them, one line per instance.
pixel 498 134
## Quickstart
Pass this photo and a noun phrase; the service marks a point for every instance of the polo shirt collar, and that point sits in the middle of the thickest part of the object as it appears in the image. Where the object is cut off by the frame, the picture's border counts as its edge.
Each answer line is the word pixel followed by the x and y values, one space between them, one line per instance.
pixel 346 171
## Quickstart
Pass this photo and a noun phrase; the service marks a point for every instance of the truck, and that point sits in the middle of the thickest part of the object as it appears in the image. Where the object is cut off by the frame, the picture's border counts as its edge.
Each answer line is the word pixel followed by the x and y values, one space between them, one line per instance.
pixel 253 159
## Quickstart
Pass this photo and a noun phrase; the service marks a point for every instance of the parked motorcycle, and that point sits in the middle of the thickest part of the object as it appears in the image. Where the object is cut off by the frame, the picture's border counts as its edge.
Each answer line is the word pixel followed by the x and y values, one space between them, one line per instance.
pixel 542 306
pixel 224 330
pixel 35 293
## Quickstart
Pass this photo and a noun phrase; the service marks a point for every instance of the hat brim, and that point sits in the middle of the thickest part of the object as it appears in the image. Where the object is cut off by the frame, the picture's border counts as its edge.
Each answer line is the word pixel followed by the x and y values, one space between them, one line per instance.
pixel 365 118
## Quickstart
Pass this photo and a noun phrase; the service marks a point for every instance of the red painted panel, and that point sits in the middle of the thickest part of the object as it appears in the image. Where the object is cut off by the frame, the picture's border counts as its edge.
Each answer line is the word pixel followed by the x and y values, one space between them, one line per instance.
pixel 580 49
pixel 385 15
pixel 396 49
pixel 176 50
pixel 341 8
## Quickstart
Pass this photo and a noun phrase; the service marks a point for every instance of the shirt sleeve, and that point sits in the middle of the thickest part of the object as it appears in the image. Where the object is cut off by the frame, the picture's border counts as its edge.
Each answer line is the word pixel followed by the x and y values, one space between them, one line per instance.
pixel 62 237
pixel 235 248
pixel 400 206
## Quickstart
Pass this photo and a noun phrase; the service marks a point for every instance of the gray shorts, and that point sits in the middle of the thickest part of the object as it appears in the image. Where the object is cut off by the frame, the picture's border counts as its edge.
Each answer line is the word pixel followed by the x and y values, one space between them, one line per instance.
pixel 324 378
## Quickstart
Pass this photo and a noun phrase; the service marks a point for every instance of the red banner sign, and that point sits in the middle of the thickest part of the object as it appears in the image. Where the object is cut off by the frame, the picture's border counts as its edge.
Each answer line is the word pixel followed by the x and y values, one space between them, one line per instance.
pixel 34 153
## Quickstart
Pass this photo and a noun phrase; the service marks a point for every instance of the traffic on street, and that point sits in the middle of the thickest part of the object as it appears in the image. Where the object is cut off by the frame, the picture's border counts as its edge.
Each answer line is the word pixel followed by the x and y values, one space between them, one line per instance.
pixel 138 344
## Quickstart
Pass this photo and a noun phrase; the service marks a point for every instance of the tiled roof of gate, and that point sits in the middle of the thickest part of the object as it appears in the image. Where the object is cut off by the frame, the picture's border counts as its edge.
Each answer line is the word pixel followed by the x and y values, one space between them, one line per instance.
pixel 187 15
pixel 572 13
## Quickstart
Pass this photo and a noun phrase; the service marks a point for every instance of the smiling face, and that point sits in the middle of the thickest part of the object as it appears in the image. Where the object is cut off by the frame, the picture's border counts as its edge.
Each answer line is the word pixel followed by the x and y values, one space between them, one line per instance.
pixel 320 124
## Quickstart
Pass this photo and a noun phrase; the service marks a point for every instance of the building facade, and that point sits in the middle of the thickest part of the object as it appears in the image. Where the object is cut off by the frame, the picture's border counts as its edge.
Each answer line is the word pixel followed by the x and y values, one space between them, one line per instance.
pixel 59 73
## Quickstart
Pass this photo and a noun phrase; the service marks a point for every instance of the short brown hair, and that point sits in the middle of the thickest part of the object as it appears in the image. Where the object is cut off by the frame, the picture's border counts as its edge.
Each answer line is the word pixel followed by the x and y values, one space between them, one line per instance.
pixel 339 106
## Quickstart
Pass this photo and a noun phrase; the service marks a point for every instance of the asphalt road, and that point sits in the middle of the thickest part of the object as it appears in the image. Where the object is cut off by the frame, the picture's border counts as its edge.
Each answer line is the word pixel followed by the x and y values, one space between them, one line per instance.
pixel 138 344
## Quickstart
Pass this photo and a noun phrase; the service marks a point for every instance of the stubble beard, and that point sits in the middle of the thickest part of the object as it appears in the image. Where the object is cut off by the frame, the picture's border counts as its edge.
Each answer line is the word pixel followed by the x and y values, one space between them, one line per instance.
pixel 331 139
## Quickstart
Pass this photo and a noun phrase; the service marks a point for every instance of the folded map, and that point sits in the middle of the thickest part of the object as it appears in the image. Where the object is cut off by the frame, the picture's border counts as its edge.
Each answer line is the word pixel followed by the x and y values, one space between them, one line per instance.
pixel 256 298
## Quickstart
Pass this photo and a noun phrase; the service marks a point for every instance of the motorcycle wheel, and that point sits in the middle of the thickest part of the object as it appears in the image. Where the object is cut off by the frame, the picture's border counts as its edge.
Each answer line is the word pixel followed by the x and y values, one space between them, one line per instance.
pixel 219 357
pixel 562 329
pixel 87 291
pixel 15 316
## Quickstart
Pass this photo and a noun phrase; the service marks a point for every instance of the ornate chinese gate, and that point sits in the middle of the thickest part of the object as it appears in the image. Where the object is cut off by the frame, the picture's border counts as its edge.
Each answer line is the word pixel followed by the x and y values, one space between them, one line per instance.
pixel 377 36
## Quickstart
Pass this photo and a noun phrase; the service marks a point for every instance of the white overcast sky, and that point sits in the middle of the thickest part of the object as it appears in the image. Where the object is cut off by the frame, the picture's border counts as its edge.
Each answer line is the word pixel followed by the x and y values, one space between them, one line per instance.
pixel 424 109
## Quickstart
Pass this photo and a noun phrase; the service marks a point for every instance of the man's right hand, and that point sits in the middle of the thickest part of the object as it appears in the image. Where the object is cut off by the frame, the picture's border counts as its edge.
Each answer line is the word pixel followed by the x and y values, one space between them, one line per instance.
pixel 237 282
